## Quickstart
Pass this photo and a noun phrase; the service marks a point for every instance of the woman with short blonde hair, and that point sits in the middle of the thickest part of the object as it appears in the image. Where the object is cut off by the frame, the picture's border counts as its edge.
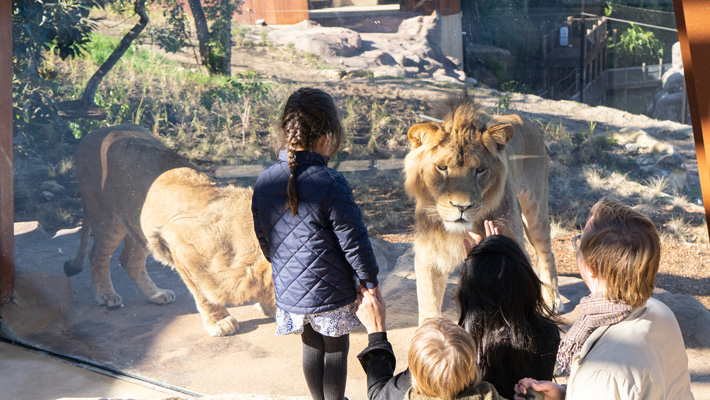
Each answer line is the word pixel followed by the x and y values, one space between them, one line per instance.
pixel 623 249
pixel 626 344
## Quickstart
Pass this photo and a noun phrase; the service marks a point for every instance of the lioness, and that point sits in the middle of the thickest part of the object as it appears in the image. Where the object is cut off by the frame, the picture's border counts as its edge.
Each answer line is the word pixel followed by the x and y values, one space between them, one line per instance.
pixel 138 191
pixel 469 168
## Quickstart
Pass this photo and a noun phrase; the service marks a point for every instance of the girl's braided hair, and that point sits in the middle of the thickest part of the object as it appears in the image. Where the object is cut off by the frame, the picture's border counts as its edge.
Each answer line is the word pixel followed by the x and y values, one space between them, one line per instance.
pixel 309 115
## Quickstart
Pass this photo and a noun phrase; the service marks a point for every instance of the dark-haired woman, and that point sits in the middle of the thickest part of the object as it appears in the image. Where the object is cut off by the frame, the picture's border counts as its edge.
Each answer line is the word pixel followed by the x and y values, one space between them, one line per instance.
pixel 500 298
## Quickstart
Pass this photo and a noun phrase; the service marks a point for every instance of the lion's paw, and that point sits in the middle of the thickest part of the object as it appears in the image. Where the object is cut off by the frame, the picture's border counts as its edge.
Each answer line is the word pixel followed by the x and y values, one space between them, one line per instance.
pixel 224 327
pixel 162 296
pixel 112 301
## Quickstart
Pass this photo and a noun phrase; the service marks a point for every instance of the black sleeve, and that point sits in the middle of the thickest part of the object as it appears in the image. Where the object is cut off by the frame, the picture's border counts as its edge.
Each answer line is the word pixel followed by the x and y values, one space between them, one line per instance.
pixel 546 357
pixel 378 362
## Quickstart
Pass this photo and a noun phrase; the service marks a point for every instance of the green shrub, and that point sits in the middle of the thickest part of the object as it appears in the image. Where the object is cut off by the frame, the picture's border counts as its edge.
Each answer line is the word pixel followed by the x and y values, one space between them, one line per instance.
pixel 635 46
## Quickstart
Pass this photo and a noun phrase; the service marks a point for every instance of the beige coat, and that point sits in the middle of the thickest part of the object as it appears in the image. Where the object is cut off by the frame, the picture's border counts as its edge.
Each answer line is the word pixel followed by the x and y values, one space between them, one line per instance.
pixel 641 357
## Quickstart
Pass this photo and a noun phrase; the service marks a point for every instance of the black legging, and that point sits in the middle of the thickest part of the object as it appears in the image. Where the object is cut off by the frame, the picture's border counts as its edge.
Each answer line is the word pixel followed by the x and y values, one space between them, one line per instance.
pixel 325 364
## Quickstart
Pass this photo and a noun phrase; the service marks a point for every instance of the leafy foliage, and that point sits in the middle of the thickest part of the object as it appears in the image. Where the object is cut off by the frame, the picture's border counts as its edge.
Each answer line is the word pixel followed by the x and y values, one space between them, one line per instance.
pixel 215 46
pixel 176 35
pixel 41 29
pixel 220 13
pixel 636 46
pixel 57 25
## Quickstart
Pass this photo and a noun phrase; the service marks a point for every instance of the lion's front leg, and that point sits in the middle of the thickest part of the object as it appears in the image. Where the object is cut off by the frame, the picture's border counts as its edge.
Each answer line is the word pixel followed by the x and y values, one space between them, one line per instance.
pixel 431 284
pixel 537 222
pixel 267 303
pixel 548 276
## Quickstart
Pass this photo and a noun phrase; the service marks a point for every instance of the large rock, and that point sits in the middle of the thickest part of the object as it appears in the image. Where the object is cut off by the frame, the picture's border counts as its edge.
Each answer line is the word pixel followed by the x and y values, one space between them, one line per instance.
pixel 692 316
pixel 413 51
pixel 488 64
pixel 677 58
pixel 388 253
pixel 673 81
pixel 667 104
pixel 328 43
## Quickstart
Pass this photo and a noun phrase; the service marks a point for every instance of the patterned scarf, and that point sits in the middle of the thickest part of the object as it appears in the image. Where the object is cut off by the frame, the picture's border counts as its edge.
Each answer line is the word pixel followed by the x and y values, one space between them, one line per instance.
pixel 596 311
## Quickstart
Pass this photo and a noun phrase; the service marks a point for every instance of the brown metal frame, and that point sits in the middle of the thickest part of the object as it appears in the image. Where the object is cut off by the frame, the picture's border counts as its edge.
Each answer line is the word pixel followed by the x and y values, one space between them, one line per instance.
pixel 693 33
pixel 7 214
pixel 694 36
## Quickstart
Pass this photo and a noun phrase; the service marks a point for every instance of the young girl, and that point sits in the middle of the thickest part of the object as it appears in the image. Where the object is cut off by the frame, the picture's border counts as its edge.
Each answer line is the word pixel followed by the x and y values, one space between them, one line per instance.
pixel 311 231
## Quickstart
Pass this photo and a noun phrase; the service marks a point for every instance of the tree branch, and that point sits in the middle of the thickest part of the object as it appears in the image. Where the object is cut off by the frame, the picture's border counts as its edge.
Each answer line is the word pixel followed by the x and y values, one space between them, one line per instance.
pixel 92 86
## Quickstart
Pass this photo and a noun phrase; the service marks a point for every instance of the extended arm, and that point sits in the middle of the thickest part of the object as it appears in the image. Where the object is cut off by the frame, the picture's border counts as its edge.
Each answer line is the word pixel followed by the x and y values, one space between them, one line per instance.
pixel 378 360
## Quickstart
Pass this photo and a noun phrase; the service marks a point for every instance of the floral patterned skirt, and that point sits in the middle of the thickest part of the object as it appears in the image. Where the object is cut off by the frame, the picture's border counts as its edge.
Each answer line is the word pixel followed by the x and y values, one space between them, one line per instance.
pixel 333 323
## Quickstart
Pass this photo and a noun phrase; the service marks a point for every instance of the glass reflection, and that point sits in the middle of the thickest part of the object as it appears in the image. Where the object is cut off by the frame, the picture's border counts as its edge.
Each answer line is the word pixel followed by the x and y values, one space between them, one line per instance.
pixel 602 81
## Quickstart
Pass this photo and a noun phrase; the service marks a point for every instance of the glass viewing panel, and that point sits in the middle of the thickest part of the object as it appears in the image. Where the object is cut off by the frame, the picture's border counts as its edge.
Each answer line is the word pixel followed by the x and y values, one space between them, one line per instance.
pixel 603 82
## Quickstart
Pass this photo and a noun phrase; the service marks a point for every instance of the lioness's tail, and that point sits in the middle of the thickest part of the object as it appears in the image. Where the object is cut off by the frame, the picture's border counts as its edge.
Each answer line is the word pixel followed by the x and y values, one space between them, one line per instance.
pixel 73 267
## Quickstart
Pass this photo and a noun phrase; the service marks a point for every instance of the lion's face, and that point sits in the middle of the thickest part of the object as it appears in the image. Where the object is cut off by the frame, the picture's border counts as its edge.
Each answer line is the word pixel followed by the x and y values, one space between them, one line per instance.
pixel 457 169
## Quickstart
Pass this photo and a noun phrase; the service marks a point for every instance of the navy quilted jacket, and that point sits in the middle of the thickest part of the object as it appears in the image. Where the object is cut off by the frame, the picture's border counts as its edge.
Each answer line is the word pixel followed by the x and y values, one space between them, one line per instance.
pixel 316 254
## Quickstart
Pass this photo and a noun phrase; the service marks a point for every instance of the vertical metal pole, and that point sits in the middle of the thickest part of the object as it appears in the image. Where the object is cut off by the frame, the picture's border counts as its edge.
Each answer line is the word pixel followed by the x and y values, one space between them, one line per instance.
pixel 582 49
pixel 7 210
pixel 684 103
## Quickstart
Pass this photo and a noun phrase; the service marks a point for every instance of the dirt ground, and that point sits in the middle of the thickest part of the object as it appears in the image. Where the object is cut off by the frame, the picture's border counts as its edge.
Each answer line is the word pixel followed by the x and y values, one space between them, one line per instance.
pixel 166 345
pixel 685 265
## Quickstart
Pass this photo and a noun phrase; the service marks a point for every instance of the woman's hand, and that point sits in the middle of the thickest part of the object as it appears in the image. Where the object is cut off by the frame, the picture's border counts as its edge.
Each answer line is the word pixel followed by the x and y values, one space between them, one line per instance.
pixel 550 390
pixel 371 309
pixel 490 230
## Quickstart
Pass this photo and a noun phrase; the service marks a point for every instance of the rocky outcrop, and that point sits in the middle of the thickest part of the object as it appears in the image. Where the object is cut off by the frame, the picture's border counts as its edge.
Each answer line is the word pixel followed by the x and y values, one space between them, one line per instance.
pixel 488 64
pixel 413 51
pixel 328 43
pixel 667 104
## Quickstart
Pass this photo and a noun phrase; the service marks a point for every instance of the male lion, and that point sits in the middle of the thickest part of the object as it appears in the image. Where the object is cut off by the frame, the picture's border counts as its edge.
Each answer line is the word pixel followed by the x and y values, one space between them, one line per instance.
pixel 138 191
pixel 470 168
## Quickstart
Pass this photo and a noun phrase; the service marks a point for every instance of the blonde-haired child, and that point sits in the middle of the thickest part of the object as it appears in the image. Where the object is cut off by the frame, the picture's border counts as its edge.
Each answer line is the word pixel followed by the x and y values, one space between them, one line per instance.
pixel 442 359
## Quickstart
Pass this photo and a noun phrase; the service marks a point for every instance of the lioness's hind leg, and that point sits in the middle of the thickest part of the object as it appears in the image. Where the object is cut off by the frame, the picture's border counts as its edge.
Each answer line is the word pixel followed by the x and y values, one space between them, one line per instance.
pixel 99 262
pixel 216 320
pixel 215 317
pixel 133 259
pixel 267 302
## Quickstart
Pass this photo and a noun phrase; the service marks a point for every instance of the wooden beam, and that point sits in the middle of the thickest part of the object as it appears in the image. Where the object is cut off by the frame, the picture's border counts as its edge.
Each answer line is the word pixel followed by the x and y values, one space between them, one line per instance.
pixel 692 18
pixel 7 210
